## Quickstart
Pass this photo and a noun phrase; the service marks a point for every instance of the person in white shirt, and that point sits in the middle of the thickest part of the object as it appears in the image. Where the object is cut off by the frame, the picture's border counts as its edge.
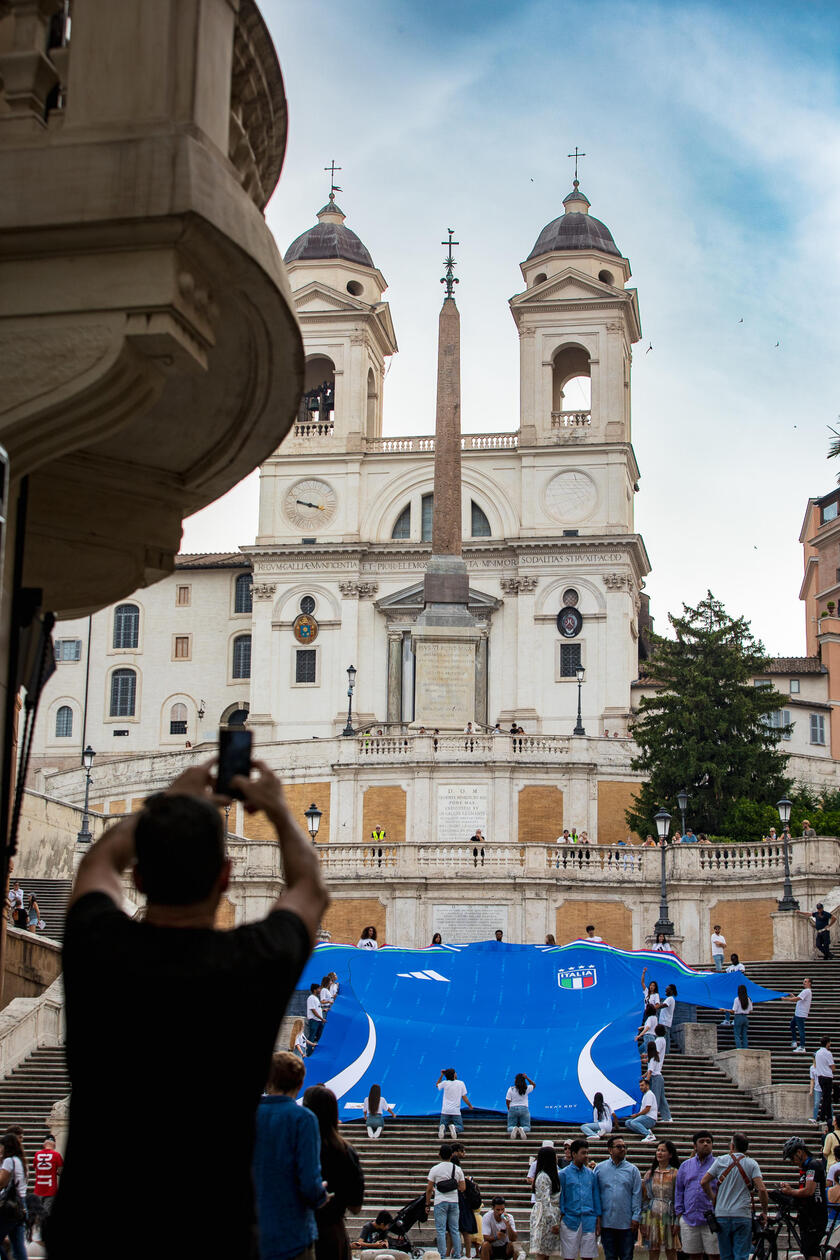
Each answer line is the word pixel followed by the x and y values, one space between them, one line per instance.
pixel 445 1200
pixel 368 939
pixel 661 944
pixel 741 1009
pixel 665 1014
pixel 325 995
pixel 298 1043
pixel 801 1012
pixel 643 1120
pixel 601 1123
pixel 824 1066
pixel 735 963
pixel 647 1031
pixel 657 1084
pixel 516 1100
pixel 375 1107
pixel 450 1110
pixel 718 946
pixel 498 1232
pixel 315 1019
pixel 590 934
pixel 814 1092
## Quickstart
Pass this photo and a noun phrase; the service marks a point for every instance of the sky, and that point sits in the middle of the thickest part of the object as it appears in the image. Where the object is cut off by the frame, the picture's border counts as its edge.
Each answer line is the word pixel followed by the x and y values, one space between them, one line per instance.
pixel 712 141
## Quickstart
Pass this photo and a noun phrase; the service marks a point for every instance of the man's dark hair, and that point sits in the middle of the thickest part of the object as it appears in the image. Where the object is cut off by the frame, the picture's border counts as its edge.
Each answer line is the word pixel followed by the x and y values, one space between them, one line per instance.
pixel 701 1133
pixel 449 1074
pixel 445 1151
pixel 741 1142
pixel 579 1144
pixel 660 1030
pixel 670 990
pixel 180 849
pixel 614 1137
pixel 384 1218
pixel 497 1199
pixel 590 927
pixel 825 1040
pixel 315 988
pixel 286 1072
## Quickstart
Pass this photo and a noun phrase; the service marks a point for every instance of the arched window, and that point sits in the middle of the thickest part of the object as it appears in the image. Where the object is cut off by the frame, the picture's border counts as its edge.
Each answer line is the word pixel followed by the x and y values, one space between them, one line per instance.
pixel 64 722
pixel 371 403
pixel 480 523
pixel 238 717
pixel 571 374
pixel 318 403
pixel 123 692
pixel 126 626
pixel 243 599
pixel 427 508
pixel 242 656
pixel 178 719
pixel 402 528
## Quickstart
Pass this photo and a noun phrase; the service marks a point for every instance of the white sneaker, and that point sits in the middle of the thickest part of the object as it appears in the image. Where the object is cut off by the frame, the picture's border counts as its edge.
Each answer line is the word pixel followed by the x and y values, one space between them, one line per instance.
pixel 813 1121
pixel 440 1133
pixel 453 1132
pixel 650 1138
pixel 513 1133
pixel 799 1050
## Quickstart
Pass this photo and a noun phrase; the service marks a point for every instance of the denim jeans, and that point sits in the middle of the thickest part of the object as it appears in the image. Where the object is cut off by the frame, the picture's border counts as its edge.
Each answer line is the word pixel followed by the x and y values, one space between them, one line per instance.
pixel 17 1240
pixel 717 959
pixel 519 1118
pixel 741 1037
pixel 797 1030
pixel 735 1237
pixel 657 1086
pixel 641 1125
pixel 817 1101
pixel 617 1243
pixel 446 1218
pixel 590 1129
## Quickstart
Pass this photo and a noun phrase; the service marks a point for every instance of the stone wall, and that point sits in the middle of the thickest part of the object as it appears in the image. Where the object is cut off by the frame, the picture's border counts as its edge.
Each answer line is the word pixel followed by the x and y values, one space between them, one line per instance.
pixel 32 964
pixel 384 807
pixel 613 920
pixel 347 916
pixel 540 814
pixel 299 796
pixel 47 837
pixel 613 799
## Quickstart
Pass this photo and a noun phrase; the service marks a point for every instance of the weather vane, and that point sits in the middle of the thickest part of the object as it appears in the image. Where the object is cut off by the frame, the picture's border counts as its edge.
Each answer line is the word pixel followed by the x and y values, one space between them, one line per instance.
pixel 334 188
pixel 449 279
pixel 576 155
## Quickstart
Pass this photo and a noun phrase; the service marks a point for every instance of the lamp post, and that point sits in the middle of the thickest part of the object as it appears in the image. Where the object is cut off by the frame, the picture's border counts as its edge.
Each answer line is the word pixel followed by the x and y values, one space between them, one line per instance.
pixel 313 820
pixel 84 836
pixel 682 803
pixel 351 683
pixel 580 671
pixel 663 923
pixel 788 901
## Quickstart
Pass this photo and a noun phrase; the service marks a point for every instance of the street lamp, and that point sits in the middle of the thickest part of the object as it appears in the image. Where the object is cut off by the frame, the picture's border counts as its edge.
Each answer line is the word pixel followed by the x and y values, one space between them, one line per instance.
pixel 84 836
pixel 351 683
pixel 663 923
pixel 313 820
pixel 682 802
pixel 579 672
pixel 788 901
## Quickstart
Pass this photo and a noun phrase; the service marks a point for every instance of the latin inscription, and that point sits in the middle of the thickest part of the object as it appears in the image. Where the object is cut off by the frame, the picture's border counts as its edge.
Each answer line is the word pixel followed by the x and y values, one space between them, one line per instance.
pixel 461 924
pixel 445 684
pixel 461 808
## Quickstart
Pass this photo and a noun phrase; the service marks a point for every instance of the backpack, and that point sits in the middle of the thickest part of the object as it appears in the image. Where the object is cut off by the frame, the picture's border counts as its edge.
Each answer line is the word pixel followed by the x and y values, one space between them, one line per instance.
pixel 472 1194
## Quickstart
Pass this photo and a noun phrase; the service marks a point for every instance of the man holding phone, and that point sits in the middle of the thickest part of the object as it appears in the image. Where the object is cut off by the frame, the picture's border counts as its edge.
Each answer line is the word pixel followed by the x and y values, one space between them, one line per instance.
pixel 170 1022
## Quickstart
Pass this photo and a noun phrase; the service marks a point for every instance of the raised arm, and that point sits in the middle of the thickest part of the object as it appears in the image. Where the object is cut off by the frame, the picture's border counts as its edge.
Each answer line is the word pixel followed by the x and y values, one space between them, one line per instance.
pixel 101 868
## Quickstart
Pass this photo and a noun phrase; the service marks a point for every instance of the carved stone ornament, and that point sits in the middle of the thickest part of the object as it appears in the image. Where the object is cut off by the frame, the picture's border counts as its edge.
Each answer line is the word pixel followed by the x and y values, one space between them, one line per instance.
pixel 615 326
pixel 358 590
pixel 519 585
pixel 264 590
pixel 527 585
pixel 619 581
pixel 510 586
pixel 367 590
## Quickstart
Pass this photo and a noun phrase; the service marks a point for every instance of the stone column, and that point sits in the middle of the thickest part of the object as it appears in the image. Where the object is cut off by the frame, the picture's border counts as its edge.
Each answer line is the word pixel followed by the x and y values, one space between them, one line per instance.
pixel 262 690
pixel 481 679
pixel 446 528
pixel 395 712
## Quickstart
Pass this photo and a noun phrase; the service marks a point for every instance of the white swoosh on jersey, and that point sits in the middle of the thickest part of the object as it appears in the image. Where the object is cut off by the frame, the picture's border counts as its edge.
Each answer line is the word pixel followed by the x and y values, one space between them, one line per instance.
pixel 353 1073
pixel 593 1081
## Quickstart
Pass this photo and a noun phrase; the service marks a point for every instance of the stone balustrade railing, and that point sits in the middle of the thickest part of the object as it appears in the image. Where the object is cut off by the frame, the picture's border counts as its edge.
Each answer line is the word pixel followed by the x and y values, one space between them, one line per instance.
pixel 571 419
pixel 425 444
pixel 27 1023
pixel 463 747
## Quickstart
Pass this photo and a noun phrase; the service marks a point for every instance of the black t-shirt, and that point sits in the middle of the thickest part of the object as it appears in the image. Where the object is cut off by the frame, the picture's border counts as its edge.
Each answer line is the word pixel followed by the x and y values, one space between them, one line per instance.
pixel 813 1210
pixel 170 1033
pixel 821 920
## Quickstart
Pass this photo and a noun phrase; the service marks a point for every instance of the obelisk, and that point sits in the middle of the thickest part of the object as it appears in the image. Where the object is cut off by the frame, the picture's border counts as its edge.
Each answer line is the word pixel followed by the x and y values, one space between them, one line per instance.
pixel 446 634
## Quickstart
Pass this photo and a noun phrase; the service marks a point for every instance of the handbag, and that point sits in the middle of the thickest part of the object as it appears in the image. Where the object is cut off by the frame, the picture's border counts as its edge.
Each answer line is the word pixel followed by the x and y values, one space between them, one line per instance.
pixel 449 1183
pixel 11 1208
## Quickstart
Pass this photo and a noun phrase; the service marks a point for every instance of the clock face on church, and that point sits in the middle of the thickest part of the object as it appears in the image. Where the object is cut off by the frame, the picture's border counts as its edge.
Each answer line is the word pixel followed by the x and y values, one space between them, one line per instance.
pixel 310 504
pixel 570 496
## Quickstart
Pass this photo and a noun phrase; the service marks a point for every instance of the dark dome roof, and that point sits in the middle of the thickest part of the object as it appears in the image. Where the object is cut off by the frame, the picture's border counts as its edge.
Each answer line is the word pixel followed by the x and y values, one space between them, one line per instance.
pixel 576 229
pixel 329 238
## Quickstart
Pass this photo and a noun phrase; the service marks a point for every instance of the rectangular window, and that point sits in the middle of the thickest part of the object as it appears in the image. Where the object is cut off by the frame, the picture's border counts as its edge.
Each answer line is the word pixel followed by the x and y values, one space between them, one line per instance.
pixel 762 682
pixel 305 665
pixel 68 649
pixel 794 686
pixel 178 728
pixel 829 512
pixel 182 596
pixel 182 647
pixel 427 509
pixel 569 659
pixel 778 719
pixel 817 728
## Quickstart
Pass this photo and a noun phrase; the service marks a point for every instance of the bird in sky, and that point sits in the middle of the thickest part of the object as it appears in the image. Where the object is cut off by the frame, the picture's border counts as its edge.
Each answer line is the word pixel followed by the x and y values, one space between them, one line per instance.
pixel 777 346
pixel 650 347
pixel 741 320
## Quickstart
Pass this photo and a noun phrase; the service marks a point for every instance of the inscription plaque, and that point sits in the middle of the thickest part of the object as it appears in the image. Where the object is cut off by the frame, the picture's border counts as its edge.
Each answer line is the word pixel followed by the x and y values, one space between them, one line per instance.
pixel 445 683
pixel 461 807
pixel 462 924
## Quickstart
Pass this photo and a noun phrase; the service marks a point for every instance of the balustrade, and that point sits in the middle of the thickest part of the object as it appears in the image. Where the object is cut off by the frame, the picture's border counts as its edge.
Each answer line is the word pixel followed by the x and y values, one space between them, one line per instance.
pixel 469 442
pixel 571 419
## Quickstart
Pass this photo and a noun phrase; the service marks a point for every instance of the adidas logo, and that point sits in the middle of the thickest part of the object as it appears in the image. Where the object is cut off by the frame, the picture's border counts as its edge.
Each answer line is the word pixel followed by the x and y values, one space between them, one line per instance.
pixel 422 975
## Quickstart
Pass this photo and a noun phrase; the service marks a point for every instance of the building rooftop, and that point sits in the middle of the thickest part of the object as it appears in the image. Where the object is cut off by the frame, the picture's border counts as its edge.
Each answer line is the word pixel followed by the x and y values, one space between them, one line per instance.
pixel 212 560
pixel 795 665
pixel 329 238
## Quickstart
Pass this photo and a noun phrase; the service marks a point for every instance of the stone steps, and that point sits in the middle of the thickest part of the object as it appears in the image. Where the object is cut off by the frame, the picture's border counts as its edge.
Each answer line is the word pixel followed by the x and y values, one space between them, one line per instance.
pixel 52 896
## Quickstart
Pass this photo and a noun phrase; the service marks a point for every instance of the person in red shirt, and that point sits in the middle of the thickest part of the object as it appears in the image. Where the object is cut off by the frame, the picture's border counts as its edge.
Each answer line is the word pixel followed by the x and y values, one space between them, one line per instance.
pixel 46 1167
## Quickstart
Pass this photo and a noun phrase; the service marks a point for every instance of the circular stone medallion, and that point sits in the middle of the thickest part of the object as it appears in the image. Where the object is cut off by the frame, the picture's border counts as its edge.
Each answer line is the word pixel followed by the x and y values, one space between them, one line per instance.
pixel 570 496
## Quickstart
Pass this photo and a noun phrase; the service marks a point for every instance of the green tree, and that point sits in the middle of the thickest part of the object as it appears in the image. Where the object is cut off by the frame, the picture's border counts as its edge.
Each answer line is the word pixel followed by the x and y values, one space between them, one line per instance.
pixel 707 727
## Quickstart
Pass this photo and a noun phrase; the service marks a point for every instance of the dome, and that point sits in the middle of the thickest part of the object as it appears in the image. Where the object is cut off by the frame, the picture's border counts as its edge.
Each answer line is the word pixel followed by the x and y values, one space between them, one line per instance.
pixel 575 229
pixel 329 238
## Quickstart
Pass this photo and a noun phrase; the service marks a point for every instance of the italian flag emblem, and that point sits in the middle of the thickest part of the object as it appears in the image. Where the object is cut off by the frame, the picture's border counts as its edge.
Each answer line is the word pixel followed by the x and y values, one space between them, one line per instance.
pixel 577 978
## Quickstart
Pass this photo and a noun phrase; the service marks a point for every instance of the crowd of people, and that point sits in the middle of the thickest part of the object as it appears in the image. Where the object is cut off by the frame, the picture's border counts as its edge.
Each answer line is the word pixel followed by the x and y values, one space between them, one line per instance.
pixel 23 911
pixel 26 1193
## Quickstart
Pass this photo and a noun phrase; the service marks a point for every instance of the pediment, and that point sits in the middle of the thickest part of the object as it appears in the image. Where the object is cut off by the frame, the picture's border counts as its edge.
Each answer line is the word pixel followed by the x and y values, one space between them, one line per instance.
pixel 318 296
pixel 409 601
pixel 565 286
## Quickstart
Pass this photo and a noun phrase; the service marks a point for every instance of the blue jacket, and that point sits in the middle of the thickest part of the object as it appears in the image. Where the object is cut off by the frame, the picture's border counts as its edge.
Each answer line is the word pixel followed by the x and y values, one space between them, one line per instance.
pixel 287 1176
pixel 621 1193
pixel 580 1197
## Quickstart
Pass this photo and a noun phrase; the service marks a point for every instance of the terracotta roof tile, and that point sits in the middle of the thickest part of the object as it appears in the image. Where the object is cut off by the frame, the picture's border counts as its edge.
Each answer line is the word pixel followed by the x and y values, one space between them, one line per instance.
pixel 212 560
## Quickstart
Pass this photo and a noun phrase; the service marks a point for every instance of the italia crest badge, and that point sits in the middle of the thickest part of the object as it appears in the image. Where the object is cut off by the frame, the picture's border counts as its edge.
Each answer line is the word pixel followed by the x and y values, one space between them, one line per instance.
pixel 577 977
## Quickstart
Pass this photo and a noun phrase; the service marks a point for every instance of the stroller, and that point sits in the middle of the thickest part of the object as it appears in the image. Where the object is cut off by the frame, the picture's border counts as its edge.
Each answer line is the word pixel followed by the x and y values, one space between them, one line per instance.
pixel 413 1213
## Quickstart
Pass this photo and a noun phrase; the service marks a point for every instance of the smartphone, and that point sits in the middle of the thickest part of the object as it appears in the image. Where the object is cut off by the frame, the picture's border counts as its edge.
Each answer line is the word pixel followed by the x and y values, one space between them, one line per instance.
pixel 234 758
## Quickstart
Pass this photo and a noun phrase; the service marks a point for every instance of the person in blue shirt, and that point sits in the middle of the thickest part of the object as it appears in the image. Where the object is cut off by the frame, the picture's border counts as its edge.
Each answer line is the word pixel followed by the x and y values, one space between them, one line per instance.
pixel 580 1206
pixel 287 1165
pixel 620 1186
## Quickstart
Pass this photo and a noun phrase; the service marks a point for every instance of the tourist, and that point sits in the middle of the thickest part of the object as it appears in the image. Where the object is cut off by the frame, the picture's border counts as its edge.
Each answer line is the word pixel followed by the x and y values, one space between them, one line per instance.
pixel 340 1169
pixel 498 1231
pixel 808 832
pixel 590 934
pixel 299 1043
pixel 657 1085
pixel 649 842
pixel 516 1100
pixel 665 1013
pixel 651 991
pixel 287 1165
pixel 814 1090
pixel 737 1175
pixel 620 1186
pixel 469 1199
pixel 659 1222
pixel 377 1236
pixel 661 944
pixel 325 996
pixel 735 964
pixel 444 1181
pixel 689 837
pixel 676 838
pixel 374 1108
pixel 16 905
pixel 824 1066
pixel 192 1016
pixel 33 914
pixel 831 1145
pixel 499 935
pixel 46 1169
pixel 497 729
pixel 315 1018
pixel 647 1029
pixel 13 1191
pixel 549 940
pixel 565 1159
pixel 691 1202
pixel 450 1111
pixel 565 838
pixel 545 1214
pixel 718 946
pixel 478 839
pixel 580 1206
pixel 822 922
pixel 801 1012
pixel 601 1123
pixel 741 1008
pixel 643 1120
pixel 584 839
pixel 437 939
pixel 547 1144
pixel 810 1195
pixel 368 939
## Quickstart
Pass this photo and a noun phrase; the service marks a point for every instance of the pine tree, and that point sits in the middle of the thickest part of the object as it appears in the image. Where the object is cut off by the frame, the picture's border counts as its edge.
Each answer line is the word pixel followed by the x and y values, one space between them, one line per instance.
pixel 706 729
